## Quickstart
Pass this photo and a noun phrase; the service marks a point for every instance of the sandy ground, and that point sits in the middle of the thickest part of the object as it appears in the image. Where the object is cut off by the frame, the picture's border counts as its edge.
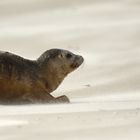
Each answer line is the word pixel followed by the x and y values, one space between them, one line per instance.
pixel 104 92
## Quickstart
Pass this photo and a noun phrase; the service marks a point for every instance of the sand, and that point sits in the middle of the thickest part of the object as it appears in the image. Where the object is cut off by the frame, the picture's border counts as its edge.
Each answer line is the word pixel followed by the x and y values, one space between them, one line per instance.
pixel 104 91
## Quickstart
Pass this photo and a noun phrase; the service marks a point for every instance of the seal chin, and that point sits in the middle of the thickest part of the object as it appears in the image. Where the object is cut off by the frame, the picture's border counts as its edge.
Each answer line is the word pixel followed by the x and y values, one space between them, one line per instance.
pixel 77 62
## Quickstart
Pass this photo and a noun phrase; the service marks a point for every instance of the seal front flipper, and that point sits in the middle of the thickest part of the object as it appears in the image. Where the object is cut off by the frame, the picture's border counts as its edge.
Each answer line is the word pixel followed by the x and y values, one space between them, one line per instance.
pixel 49 99
pixel 62 99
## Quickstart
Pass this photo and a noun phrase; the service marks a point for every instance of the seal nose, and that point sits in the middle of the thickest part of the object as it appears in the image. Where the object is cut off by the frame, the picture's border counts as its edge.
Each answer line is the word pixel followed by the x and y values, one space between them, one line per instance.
pixel 77 61
pixel 80 59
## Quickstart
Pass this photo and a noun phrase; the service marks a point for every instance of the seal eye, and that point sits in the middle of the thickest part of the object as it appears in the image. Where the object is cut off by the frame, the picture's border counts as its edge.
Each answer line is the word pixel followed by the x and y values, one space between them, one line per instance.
pixel 69 55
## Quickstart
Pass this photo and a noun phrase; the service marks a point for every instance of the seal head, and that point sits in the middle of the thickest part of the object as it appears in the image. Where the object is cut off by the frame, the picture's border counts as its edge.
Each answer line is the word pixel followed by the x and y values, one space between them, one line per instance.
pixel 62 60
pixel 56 64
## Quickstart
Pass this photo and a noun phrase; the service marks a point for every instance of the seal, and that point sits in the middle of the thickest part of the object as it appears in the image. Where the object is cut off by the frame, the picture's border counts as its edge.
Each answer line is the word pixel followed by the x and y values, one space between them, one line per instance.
pixel 32 81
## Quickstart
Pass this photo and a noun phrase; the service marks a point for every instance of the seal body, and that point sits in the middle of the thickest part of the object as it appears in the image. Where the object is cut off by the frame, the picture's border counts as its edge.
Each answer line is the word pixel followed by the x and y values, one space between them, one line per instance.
pixel 32 81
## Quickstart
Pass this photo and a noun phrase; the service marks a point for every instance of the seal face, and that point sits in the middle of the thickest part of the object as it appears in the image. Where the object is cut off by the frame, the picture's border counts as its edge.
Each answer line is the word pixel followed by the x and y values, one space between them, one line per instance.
pixel 32 81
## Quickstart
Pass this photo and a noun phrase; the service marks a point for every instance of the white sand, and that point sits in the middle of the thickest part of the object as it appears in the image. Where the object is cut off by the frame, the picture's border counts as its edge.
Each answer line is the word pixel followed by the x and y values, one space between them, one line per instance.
pixel 105 91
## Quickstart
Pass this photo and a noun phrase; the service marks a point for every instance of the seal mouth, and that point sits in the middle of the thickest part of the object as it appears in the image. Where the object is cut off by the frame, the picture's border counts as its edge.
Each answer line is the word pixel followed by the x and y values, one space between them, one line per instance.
pixel 77 62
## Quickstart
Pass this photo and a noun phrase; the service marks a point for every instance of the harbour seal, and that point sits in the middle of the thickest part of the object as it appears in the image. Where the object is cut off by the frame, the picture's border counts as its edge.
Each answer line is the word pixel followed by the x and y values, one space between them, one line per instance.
pixel 32 81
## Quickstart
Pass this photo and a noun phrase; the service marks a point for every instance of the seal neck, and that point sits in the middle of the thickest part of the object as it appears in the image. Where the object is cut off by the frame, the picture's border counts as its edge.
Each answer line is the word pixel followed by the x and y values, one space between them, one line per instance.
pixel 51 76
